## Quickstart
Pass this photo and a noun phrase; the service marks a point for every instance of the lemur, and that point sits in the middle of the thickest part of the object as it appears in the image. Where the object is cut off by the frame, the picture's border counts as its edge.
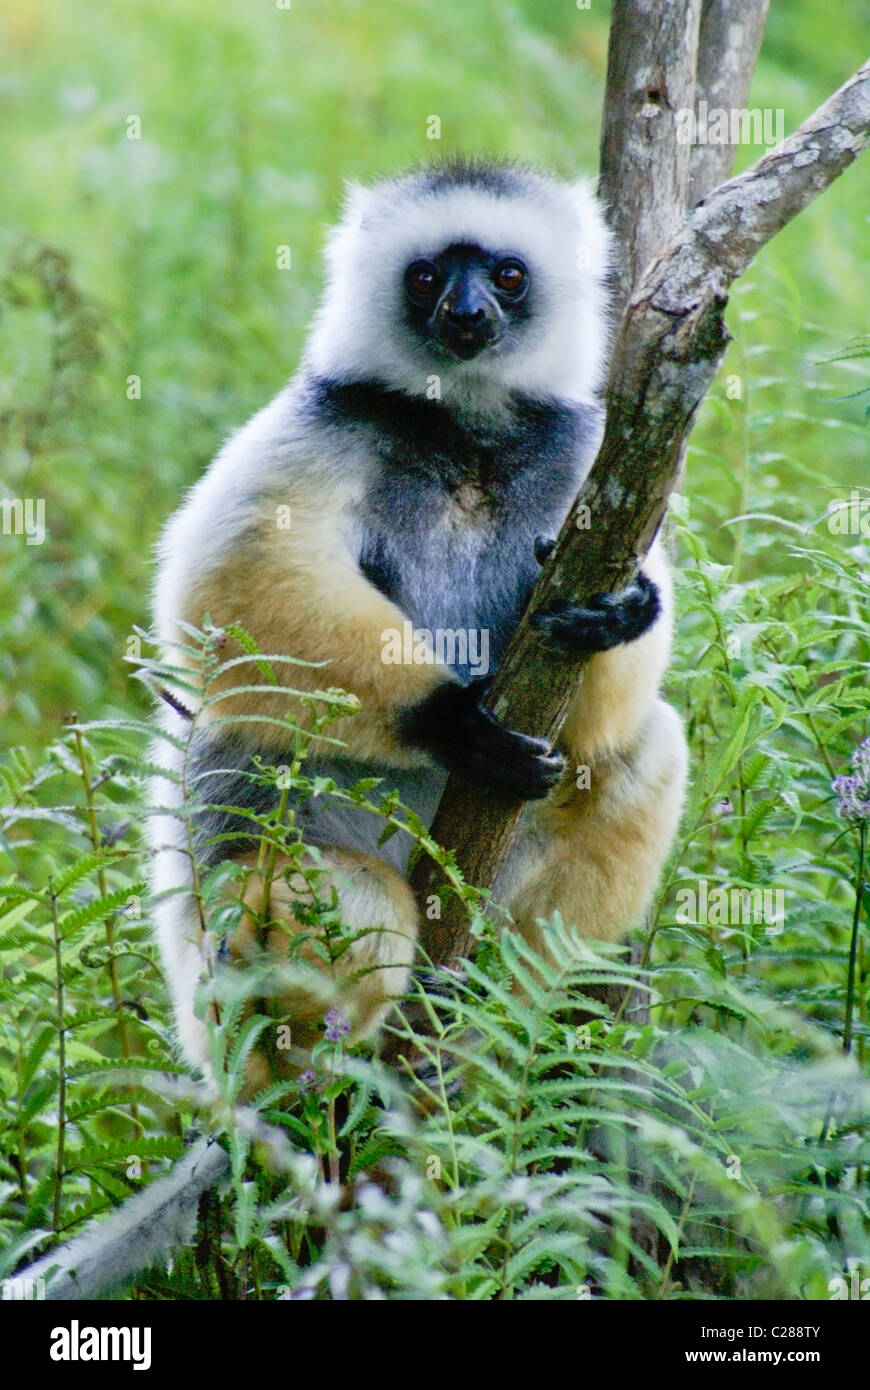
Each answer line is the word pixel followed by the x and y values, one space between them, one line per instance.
pixel 444 414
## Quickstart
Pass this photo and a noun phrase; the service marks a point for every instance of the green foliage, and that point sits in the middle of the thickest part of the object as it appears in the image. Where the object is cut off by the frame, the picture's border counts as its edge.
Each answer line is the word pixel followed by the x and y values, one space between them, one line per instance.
pixel 707 1134
pixel 79 1033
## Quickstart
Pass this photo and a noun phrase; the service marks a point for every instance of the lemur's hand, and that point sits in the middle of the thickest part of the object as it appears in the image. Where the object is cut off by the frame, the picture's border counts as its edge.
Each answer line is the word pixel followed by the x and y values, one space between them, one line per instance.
pixel 606 621
pixel 454 727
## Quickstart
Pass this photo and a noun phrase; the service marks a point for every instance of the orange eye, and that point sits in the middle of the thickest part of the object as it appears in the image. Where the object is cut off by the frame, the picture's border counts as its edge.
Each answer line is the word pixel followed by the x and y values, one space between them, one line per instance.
pixel 510 276
pixel 422 279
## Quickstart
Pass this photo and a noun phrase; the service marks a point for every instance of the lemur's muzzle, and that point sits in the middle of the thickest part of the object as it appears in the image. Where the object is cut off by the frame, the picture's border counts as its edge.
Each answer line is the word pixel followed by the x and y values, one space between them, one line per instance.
pixel 467 323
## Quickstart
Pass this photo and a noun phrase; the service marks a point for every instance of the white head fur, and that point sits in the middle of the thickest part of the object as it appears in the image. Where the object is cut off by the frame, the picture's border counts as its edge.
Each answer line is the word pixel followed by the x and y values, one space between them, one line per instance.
pixel 557 228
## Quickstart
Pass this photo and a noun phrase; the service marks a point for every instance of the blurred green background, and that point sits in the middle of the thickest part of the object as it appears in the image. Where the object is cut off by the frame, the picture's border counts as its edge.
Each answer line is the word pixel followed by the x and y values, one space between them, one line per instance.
pixel 156 258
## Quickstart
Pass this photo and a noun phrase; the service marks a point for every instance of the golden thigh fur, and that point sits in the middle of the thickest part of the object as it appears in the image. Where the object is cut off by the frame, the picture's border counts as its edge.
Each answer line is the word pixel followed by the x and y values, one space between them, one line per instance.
pixel 360 981
pixel 594 854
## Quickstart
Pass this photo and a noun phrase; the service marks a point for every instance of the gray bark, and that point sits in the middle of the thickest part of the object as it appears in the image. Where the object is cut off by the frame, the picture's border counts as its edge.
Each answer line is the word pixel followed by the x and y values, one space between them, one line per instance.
pixel 731 34
pixel 644 179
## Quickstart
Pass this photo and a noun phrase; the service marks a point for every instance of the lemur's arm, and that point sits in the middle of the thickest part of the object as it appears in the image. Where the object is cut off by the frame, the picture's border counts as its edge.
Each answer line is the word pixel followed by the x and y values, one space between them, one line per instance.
pixel 630 636
pixel 302 592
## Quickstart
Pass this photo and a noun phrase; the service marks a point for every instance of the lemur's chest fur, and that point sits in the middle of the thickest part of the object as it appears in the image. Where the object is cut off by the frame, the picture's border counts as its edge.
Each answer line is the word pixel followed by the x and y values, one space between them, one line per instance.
pixel 452 505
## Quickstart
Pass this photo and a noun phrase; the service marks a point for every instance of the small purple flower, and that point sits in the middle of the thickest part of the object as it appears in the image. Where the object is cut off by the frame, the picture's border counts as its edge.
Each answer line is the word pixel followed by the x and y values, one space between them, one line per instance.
pixel 306 1079
pixel 337 1026
pixel 861 762
pixel 853 789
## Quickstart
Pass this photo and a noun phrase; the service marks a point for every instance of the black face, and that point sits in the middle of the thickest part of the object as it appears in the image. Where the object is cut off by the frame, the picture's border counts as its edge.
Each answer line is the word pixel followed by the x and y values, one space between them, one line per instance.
pixel 465 298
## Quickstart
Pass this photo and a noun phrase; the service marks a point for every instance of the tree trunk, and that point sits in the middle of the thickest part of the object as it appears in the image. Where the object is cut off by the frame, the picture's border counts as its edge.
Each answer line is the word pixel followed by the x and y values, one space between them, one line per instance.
pixel 644 179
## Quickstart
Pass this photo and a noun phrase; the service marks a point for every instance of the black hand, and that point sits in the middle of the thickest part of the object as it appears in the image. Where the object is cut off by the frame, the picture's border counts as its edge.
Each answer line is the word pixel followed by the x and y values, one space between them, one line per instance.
pixel 606 621
pixel 453 726
pixel 544 547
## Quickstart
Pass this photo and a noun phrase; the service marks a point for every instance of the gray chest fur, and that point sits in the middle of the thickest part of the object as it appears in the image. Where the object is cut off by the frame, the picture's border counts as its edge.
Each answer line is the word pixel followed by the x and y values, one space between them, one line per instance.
pixel 452 508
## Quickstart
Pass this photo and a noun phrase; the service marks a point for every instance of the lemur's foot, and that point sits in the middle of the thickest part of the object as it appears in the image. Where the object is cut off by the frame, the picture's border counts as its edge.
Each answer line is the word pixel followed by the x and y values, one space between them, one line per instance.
pixel 605 621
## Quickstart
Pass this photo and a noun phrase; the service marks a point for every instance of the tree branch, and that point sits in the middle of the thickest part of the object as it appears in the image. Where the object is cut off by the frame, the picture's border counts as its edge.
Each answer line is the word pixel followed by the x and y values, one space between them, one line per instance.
pixel 669 347
pixel 728 46
pixel 644 178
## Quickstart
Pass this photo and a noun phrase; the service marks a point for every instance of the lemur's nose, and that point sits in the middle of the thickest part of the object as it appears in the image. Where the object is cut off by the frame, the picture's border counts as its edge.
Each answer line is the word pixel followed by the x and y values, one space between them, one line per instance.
pixel 465 318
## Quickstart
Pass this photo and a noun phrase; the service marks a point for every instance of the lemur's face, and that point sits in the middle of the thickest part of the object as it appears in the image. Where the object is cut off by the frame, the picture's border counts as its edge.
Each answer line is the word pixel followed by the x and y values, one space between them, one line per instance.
pixel 490 279
pixel 464 299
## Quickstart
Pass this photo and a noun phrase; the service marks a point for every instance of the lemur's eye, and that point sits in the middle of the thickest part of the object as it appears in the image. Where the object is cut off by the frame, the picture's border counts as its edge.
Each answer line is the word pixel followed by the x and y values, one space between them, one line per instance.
pixel 510 276
pixel 422 279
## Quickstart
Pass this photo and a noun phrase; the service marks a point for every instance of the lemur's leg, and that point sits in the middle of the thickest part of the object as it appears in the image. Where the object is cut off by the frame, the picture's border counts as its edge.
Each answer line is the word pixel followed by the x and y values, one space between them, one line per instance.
pixel 368 974
pixel 595 855
pixel 594 850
